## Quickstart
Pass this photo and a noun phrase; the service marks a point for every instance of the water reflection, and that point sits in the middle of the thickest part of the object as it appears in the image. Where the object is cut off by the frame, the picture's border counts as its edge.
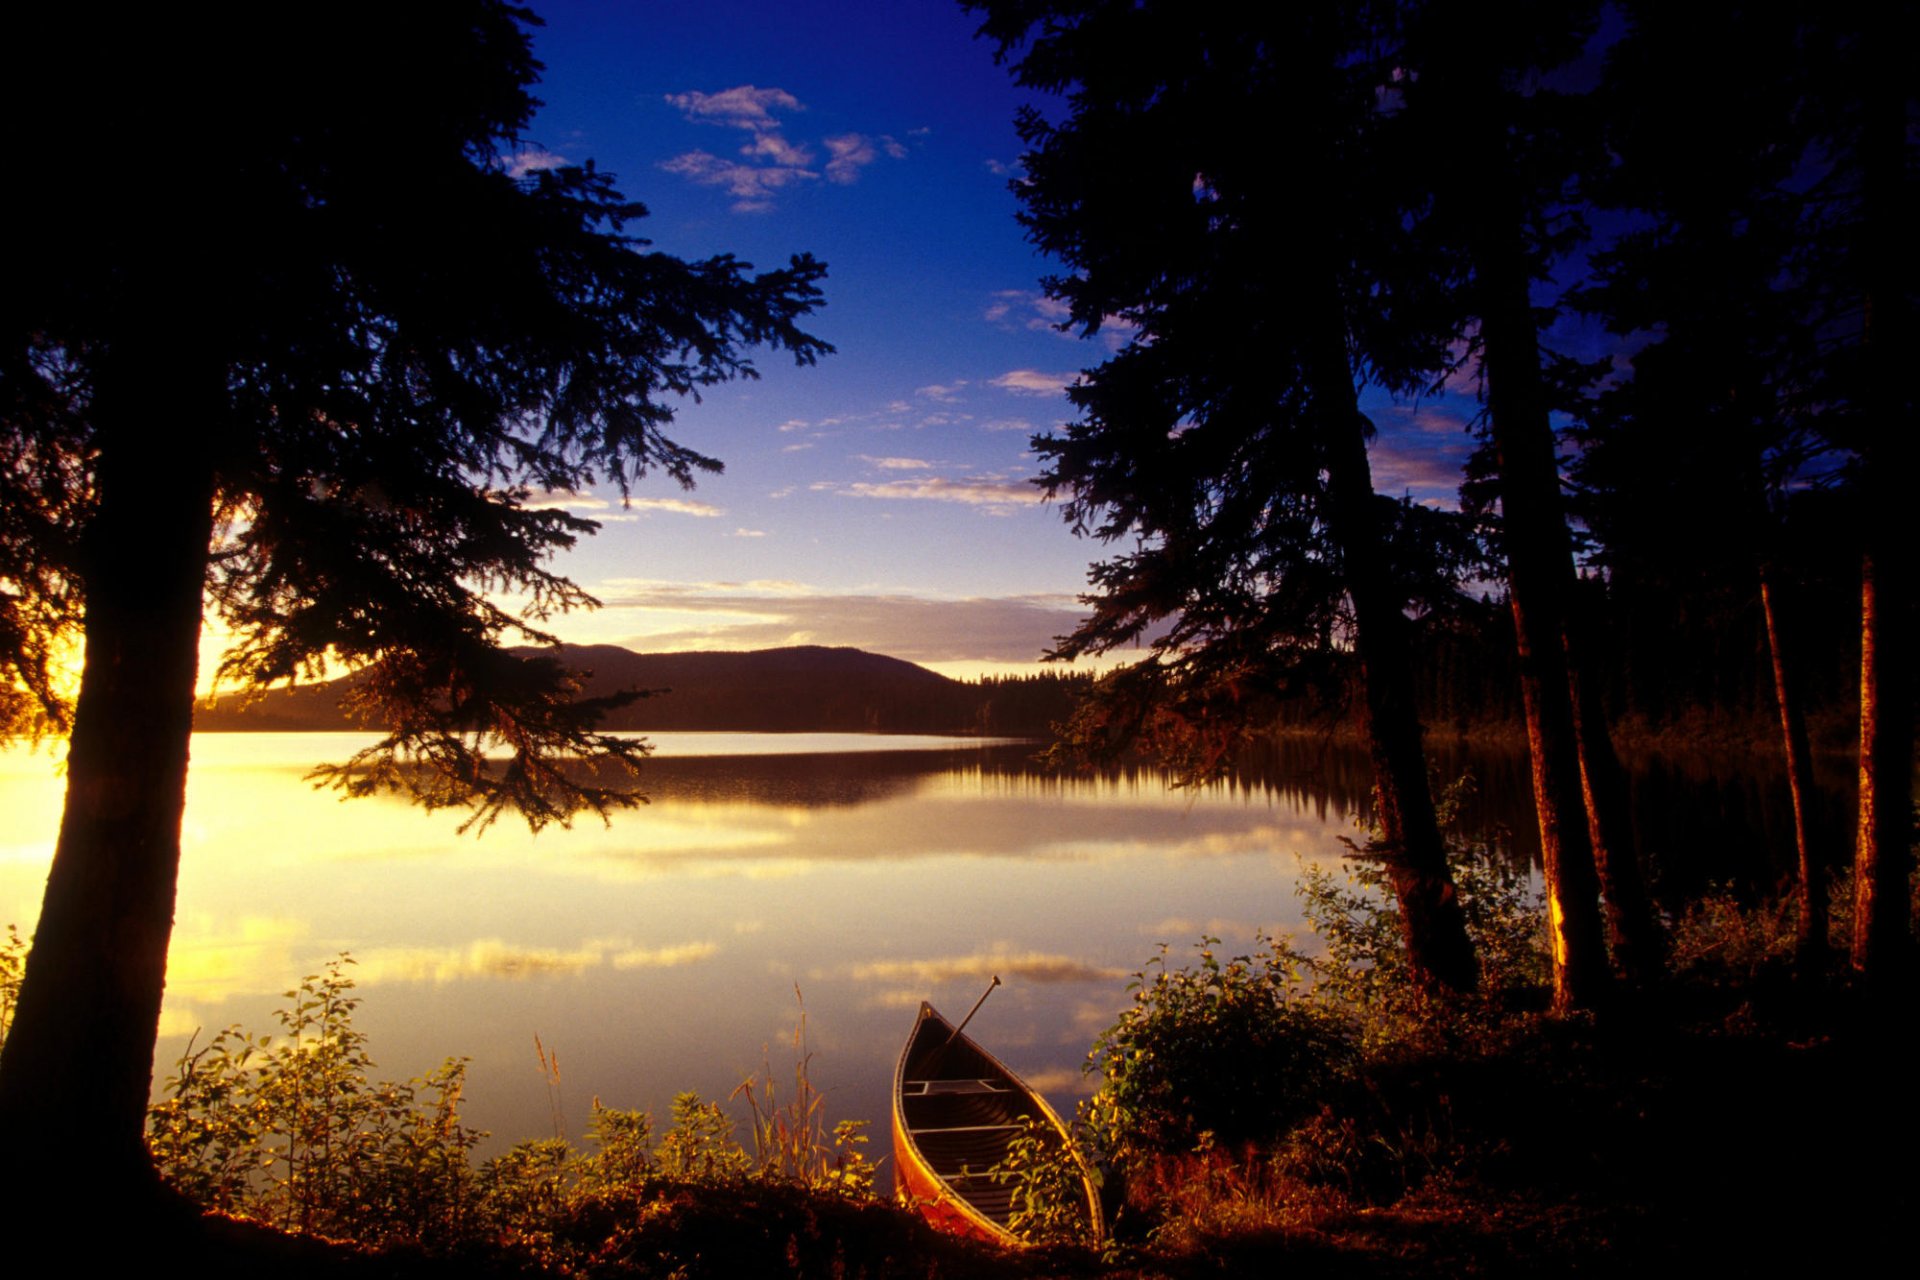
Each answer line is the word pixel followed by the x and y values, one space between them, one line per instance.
pixel 662 951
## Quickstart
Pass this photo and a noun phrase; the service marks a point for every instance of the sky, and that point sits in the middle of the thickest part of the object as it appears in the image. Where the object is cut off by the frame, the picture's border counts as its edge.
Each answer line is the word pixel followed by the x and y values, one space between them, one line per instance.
pixel 883 498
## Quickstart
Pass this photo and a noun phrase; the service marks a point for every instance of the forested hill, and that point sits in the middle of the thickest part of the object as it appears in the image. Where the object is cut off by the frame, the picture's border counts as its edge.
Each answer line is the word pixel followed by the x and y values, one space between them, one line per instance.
pixel 806 688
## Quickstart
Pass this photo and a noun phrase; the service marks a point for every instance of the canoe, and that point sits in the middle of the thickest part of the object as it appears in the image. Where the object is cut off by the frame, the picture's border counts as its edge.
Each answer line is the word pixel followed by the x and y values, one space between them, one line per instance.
pixel 956 1109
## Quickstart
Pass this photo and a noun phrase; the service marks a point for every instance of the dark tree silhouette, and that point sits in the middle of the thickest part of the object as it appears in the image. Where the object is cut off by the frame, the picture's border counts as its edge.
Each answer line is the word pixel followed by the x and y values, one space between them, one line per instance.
pixel 1224 440
pixel 1501 207
pixel 1770 154
pixel 1689 467
pixel 292 339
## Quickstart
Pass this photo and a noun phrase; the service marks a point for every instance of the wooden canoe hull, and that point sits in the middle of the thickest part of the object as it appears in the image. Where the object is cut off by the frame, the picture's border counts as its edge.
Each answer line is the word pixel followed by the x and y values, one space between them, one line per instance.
pixel 956 1108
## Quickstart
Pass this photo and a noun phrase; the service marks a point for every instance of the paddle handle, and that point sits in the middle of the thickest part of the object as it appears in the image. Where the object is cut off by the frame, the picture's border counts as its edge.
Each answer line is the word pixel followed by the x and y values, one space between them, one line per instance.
pixel 976 1008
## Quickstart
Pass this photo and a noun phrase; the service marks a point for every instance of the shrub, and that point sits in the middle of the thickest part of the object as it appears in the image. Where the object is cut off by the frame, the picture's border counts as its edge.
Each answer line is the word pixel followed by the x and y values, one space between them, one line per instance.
pixel 290 1131
pixel 1238 1050
pixel 1364 965
pixel 1048 1182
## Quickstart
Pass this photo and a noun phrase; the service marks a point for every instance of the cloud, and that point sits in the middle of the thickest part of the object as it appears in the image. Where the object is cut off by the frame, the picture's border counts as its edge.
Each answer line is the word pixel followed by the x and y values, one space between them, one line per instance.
pixel 742 107
pixel 895 464
pixel 1420 450
pixel 561 500
pixel 944 392
pixel 978 493
pixel 851 153
pixel 532 160
pixel 495 959
pixel 1039 967
pixel 209 962
pixel 663 957
pixel 1027 309
pixel 749 533
pixel 769 162
pixel 679 506
pixel 1031 382
pixel 753 186
pixel 777 151
pixel 769 614
pixel 1008 424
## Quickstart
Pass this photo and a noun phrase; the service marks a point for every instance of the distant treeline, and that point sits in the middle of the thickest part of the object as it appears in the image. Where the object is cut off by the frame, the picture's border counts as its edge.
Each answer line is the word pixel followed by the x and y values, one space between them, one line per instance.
pixel 1686 661
pixel 790 690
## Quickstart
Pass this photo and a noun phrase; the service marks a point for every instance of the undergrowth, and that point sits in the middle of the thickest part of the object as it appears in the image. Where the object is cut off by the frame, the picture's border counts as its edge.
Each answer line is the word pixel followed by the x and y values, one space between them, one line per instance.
pixel 292 1131
pixel 1262 1090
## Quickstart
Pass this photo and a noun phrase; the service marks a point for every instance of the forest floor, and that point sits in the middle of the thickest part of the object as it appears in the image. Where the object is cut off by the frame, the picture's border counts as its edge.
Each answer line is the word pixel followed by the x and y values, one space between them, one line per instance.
pixel 1758 1123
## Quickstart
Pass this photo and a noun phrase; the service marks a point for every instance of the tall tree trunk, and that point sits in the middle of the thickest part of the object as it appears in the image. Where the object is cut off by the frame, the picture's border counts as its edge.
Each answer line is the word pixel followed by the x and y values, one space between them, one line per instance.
pixel 1432 924
pixel 1810 889
pixel 1633 929
pixel 1882 857
pixel 77 1068
pixel 1883 944
pixel 1540 570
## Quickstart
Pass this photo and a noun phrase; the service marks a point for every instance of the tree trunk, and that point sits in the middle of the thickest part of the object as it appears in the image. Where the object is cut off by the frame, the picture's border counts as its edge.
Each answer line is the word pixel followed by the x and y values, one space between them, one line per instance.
pixel 1432 924
pixel 1540 570
pixel 1810 891
pixel 77 1068
pixel 1883 944
pixel 1633 929
pixel 1882 856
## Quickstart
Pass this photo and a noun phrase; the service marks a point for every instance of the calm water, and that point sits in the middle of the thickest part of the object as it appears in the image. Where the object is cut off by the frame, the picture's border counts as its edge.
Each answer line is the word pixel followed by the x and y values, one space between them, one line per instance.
pixel 663 952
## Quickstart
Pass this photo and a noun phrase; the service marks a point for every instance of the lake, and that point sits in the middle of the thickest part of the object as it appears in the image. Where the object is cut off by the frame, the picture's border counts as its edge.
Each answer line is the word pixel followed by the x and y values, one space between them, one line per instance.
pixel 663 951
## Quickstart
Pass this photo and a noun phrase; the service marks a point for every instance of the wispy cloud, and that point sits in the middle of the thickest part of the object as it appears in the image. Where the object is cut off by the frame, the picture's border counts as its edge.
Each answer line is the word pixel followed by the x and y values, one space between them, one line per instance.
pixel 1040 967
pixel 851 153
pixel 895 464
pixel 679 506
pixel 1420 450
pixel 752 185
pixel 988 493
pixel 493 958
pixel 768 162
pixel 1032 382
pixel 532 160
pixel 768 614
pixel 1027 309
pixel 1013 309
pixel 663 957
pixel 943 392
pixel 742 107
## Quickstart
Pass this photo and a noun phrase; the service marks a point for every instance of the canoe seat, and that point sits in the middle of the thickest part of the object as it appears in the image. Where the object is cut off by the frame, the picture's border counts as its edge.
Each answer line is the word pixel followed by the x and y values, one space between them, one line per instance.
pixel 926 1088
pixel 966 1128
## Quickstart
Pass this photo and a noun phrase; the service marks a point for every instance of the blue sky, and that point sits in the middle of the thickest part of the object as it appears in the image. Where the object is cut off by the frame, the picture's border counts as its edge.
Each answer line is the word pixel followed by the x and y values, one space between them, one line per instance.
pixel 882 498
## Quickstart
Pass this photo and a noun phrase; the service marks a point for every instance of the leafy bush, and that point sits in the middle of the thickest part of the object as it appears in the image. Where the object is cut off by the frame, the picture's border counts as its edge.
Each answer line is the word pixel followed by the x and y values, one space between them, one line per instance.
pixel 1048 1183
pixel 1364 965
pixel 1226 1053
pixel 1238 1050
pixel 290 1131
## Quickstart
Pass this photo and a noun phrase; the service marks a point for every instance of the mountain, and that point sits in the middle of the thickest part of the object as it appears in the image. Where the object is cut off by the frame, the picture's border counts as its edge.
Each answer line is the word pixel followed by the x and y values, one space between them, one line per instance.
pixel 805 688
